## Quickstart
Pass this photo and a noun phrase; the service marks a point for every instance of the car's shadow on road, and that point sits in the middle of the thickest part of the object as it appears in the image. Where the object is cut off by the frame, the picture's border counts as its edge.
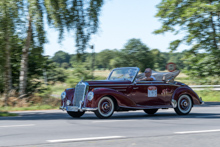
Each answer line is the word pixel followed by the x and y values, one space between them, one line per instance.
pixel 116 116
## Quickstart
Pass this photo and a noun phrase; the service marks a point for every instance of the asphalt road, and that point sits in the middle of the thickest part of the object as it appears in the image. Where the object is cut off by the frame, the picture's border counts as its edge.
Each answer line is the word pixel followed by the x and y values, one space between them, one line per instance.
pixel 124 129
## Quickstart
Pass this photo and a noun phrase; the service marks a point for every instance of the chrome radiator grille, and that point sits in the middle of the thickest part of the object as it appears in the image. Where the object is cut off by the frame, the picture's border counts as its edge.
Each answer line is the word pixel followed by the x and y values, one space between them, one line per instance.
pixel 79 94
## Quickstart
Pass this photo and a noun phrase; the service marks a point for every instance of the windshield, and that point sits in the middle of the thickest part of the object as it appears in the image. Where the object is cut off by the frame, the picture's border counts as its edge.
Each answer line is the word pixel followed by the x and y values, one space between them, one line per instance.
pixel 123 74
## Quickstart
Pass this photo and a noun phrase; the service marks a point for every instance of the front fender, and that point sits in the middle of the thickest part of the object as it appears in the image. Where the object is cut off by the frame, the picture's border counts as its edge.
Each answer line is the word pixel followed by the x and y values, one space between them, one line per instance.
pixel 122 99
pixel 188 91
pixel 69 95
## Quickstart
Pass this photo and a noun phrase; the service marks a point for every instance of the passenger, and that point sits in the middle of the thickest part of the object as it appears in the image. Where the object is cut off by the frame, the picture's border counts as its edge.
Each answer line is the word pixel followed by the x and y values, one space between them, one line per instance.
pixel 148 76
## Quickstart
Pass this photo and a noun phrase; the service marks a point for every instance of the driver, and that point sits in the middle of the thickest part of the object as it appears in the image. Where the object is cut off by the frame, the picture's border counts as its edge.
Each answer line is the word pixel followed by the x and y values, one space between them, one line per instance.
pixel 148 76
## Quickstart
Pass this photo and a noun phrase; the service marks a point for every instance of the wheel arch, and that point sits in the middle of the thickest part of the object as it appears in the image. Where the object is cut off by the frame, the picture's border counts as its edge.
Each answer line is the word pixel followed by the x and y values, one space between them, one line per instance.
pixel 186 91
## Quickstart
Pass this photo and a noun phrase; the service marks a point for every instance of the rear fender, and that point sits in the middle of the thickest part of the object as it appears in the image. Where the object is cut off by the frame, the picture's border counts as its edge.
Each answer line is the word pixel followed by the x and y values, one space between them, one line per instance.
pixel 121 99
pixel 188 91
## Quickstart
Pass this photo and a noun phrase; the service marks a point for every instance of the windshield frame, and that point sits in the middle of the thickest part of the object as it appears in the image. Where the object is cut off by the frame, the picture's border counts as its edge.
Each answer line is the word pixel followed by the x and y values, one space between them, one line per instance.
pixel 137 69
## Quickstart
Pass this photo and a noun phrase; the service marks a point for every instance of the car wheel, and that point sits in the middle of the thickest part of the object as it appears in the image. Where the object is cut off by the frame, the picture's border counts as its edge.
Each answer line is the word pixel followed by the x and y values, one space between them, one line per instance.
pixel 184 105
pixel 105 108
pixel 75 114
pixel 150 111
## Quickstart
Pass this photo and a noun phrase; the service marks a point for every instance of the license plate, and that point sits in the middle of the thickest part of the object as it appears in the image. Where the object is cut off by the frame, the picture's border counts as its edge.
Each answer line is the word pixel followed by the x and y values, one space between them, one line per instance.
pixel 72 108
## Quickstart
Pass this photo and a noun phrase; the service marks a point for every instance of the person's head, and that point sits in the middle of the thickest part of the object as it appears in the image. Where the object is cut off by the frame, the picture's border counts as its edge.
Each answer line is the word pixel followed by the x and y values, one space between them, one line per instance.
pixel 148 72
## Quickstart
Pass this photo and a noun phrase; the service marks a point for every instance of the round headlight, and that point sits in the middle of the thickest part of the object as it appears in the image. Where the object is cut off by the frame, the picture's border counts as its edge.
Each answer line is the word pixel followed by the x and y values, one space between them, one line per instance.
pixel 63 95
pixel 90 95
pixel 68 102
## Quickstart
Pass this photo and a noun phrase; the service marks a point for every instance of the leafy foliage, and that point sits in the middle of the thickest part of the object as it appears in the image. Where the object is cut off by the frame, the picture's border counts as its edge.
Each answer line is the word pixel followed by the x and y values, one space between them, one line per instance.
pixel 135 53
pixel 61 57
pixel 200 22
pixel 79 73
pixel 77 15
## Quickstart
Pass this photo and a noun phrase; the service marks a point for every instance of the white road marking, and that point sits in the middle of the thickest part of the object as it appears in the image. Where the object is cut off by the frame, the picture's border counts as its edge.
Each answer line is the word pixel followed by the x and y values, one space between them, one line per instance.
pixel 109 121
pixel 86 139
pixel 27 125
pixel 202 131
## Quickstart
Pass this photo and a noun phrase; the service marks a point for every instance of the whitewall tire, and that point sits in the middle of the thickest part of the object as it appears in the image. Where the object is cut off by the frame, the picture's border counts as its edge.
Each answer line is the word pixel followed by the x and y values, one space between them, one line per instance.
pixel 184 105
pixel 105 108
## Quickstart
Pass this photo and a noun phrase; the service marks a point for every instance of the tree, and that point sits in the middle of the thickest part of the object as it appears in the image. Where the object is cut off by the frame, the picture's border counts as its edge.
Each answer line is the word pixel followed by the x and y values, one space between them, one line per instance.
pixel 198 20
pixel 75 60
pixel 159 60
pixel 9 18
pixel 78 15
pixel 65 65
pixel 61 57
pixel 136 54
pixel 103 58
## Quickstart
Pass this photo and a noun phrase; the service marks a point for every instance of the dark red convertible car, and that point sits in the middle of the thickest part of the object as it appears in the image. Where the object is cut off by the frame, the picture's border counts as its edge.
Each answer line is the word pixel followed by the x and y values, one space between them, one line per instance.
pixel 122 91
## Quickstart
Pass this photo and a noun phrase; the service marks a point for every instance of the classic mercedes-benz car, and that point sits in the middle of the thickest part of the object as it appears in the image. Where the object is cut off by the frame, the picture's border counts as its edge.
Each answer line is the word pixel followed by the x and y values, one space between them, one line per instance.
pixel 122 91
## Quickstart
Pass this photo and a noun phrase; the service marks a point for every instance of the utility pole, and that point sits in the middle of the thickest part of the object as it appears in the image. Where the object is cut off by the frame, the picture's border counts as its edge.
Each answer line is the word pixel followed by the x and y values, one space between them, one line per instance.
pixel 93 60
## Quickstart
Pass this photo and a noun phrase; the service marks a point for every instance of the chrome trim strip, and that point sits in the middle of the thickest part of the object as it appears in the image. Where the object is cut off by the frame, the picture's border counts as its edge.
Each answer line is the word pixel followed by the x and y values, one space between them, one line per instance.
pixel 89 109
pixel 148 107
pixel 109 85
pixel 82 109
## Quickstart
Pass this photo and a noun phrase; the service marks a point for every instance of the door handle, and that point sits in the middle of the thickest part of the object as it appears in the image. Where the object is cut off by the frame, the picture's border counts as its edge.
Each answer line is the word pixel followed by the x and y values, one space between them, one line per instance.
pixel 135 87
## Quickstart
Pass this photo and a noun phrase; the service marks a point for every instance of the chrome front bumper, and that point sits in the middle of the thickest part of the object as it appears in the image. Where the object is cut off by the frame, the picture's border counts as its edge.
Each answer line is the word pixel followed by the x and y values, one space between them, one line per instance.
pixel 76 109
pixel 202 102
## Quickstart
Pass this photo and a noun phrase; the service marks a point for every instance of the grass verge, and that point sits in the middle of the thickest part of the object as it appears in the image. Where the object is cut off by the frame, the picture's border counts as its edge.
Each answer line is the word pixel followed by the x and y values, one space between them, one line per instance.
pixel 209 95
pixel 4 114
pixel 36 107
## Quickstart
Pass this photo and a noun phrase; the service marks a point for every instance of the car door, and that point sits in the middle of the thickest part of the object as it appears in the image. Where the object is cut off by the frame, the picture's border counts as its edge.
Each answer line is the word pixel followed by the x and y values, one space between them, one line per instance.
pixel 147 93
pixel 163 97
pixel 167 92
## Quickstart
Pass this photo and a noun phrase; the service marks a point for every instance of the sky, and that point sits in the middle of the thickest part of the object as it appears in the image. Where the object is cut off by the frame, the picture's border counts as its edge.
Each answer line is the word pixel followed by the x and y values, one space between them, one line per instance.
pixel 120 20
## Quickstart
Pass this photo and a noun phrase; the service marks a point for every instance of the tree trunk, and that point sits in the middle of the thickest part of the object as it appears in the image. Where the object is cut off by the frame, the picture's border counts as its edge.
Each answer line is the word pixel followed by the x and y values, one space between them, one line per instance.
pixel 24 61
pixel 8 79
pixel 219 29
pixel 214 31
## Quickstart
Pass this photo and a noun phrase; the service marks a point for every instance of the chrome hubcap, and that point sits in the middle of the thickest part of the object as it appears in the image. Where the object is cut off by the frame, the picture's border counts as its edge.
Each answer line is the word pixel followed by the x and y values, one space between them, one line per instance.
pixel 185 104
pixel 105 107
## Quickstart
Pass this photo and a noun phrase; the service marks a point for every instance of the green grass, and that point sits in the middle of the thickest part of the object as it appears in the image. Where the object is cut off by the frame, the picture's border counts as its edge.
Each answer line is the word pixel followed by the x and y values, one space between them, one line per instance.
pixel 4 114
pixel 209 95
pixel 36 107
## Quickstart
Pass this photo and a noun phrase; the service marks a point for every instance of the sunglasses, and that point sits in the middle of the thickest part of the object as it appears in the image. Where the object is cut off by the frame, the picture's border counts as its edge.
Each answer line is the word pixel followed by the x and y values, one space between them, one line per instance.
pixel 147 72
